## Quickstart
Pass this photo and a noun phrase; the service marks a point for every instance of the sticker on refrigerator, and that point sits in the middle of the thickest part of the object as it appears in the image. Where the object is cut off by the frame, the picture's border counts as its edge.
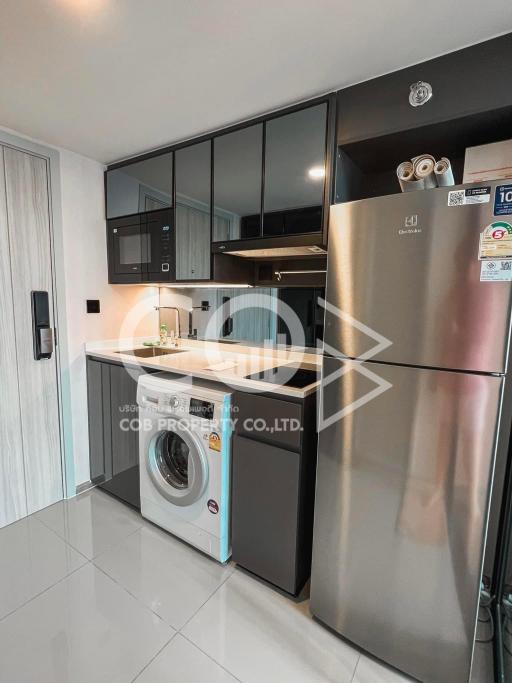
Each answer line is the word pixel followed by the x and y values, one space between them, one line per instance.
pixel 496 271
pixel 472 195
pixel 503 200
pixel 496 241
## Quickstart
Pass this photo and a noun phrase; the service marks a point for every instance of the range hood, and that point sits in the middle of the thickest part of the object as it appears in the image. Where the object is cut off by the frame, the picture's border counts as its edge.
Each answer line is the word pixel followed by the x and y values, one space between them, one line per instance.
pixel 277 252
pixel 282 246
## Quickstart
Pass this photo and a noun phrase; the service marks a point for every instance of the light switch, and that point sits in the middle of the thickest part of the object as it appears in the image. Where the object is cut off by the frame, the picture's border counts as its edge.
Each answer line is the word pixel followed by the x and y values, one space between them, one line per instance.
pixel 93 305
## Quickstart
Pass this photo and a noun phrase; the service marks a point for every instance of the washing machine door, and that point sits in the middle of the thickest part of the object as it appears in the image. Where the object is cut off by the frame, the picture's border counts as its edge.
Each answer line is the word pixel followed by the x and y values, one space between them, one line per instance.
pixel 177 464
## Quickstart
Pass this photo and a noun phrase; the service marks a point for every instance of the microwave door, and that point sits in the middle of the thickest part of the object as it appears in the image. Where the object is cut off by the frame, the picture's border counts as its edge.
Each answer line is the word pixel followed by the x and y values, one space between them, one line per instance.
pixel 127 249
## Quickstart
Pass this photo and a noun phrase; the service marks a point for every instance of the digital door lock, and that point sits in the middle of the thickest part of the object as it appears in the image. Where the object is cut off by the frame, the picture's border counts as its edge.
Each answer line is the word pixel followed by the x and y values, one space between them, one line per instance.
pixel 42 333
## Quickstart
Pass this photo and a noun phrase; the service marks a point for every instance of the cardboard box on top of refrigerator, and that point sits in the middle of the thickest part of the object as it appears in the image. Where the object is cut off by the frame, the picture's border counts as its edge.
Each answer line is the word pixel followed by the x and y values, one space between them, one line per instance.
pixel 488 162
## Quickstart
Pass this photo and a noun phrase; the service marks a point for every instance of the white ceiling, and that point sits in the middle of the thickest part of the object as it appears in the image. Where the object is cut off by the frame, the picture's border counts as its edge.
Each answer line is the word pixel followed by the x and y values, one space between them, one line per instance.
pixel 111 78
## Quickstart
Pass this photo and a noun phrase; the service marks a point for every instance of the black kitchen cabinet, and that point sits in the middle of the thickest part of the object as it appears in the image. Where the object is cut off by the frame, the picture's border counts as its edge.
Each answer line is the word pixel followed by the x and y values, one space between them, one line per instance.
pixel 295 168
pixel 139 186
pixel 98 383
pixel 237 167
pixel 292 184
pixel 378 128
pixel 193 212
pixel 113 445
pixel 464 82
pixel 273 480
pixel 265 184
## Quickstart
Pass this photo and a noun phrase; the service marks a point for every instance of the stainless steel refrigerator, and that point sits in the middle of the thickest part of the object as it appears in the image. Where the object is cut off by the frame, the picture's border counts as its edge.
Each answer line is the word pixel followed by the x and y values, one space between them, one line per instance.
pixel 415 421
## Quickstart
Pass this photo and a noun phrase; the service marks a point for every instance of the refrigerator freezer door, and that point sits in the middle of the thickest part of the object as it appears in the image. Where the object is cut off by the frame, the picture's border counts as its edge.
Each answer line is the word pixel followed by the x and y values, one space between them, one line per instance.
pixel 407 267
pixel 401 510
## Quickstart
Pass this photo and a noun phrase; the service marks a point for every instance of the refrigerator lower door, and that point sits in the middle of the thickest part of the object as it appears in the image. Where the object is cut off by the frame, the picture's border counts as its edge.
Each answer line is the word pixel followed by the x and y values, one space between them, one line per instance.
pixel 401 510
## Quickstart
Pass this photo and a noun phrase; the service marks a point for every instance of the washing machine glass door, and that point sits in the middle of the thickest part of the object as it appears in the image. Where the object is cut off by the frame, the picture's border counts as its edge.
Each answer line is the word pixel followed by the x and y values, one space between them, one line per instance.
pixel 177 464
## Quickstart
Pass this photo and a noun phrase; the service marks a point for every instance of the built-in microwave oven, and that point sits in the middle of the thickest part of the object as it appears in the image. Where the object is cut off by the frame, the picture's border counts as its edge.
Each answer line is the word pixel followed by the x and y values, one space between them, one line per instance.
pixel 141 248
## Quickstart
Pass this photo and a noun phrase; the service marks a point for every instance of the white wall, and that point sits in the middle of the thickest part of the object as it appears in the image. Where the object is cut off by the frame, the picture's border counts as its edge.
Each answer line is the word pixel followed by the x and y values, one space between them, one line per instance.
pixel 85 256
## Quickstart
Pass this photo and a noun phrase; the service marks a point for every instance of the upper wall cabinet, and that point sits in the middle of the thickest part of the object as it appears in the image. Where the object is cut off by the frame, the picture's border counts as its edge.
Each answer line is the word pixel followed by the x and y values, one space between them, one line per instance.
pixel 237 164
pixel 193 211
pixel 463 83
pixel 270 182
pixel 254 190
pixel 140 186
pixel 295 165
pixel 439 107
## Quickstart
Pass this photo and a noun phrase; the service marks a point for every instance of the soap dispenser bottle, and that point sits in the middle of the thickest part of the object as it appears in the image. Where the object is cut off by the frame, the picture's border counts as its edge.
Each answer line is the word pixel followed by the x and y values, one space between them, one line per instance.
pixel 163 334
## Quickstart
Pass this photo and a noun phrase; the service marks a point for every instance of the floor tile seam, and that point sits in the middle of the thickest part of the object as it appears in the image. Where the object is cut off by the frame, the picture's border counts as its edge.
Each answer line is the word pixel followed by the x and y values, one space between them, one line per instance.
pixel 138 600
pixel 61 538
pixel 189 639
pixel 116 543
pixel 45 590
pixel 154 657
pixel 105 550
pixel 206 601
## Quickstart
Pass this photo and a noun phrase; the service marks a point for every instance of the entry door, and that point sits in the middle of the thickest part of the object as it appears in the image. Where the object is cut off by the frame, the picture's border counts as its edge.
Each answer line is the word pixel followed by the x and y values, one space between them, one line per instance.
pixel 13 503
pixel 31 423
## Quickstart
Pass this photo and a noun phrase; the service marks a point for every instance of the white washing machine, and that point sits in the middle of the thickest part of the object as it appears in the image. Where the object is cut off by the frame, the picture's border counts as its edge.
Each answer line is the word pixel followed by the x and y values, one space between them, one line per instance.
pixel 185 460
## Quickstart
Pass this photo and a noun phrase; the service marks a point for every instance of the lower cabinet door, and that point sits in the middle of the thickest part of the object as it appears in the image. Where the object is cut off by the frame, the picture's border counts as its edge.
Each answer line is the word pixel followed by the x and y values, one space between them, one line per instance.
pixel 125 481
pixel 265 499
pixel 97 463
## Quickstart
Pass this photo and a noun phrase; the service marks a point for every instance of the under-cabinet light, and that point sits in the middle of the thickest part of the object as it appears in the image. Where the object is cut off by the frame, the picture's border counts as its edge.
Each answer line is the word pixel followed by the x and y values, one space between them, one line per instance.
pixel 216 285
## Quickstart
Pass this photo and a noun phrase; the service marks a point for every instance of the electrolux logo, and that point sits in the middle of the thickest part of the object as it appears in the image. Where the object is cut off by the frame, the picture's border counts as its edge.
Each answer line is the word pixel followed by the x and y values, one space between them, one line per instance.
pixel 410 225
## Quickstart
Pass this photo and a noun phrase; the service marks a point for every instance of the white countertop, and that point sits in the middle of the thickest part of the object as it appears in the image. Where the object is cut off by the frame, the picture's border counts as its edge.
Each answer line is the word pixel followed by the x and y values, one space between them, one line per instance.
pixel 214 361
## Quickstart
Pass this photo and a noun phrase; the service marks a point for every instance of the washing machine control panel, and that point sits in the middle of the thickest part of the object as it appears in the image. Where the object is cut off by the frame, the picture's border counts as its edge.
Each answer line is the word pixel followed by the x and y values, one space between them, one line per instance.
pixel 185 405
pixel 173 403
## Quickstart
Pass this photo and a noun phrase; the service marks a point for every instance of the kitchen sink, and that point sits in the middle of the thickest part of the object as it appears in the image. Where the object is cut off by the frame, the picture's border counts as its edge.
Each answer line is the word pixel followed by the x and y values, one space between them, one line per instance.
pixel 150 352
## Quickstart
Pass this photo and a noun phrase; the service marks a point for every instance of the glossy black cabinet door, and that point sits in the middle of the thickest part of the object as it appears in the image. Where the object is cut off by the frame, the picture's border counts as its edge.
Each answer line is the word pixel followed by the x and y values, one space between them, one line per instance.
pixel 237 169
pixel 113 438
pixel 141 186
pixel 295 165
pixel 193 212
pixel 266 483
pixel 273 484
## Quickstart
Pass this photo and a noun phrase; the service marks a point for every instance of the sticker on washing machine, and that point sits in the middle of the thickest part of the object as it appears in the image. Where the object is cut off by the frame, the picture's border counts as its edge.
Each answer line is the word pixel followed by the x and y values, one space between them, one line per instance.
pixel 213 506
pixel 503 200
pixel 472 195
pixel 496 271
pixel 496 241
pixel 214 441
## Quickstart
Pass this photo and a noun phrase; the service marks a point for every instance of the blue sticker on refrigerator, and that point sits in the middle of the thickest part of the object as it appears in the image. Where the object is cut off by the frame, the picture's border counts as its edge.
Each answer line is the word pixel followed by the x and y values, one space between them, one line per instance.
pixel 503 200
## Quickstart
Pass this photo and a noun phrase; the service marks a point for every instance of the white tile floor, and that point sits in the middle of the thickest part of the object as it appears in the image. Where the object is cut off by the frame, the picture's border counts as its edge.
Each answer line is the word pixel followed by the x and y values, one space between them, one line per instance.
pixel 91 592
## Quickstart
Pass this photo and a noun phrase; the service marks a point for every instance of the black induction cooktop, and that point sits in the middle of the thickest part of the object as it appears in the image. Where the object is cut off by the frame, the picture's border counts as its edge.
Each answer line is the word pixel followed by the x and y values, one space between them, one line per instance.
pixel 293 375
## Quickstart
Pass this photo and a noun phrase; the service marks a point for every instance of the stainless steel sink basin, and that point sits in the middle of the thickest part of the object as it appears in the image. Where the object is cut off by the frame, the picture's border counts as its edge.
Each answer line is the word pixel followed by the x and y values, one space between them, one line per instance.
pixel 150 352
